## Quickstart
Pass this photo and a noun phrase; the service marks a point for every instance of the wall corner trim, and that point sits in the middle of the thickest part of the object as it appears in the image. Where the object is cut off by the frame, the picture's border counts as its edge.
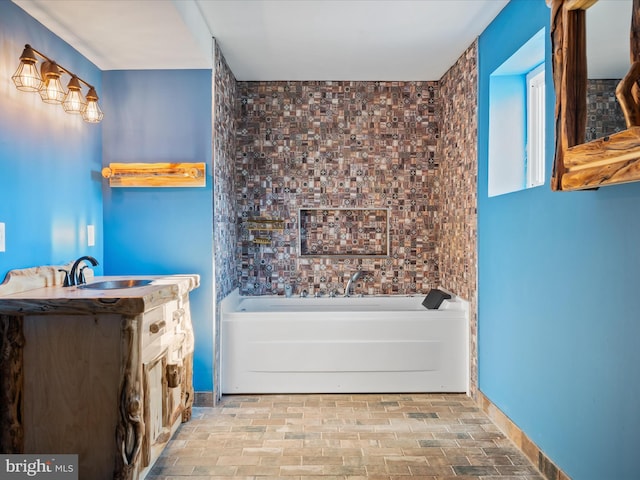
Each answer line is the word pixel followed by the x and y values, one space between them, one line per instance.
pixel 547 468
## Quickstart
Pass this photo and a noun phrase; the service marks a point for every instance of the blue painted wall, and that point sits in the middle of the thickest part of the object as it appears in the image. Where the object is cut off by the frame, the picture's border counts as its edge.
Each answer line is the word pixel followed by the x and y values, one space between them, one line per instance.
pixel 559 275
pixel 163 116
pixel 50 186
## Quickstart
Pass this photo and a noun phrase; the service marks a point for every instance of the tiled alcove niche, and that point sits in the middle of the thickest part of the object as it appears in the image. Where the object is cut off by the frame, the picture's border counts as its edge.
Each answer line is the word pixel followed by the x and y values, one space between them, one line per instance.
pixel 328 145
pixel 351 232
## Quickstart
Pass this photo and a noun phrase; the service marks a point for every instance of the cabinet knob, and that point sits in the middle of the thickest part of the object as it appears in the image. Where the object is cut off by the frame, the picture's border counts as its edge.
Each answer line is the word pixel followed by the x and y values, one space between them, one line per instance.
pixel 174 375
pixel 155 327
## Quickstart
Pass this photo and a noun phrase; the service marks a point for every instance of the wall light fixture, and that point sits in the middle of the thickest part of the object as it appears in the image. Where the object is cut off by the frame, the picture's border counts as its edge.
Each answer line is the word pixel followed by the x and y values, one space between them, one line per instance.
pixel 47 83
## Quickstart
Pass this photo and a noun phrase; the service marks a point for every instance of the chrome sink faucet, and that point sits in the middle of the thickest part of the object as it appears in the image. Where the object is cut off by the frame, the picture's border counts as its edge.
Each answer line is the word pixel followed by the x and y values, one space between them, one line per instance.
pixel 76 277
pixel 354 277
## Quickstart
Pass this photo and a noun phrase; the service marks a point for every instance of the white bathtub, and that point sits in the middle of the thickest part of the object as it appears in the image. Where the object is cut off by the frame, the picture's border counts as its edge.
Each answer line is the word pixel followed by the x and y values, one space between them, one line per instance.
pixel 273 344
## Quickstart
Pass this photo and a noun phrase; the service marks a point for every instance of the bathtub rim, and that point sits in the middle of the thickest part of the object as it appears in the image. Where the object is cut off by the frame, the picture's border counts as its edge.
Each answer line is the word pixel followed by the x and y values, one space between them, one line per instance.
pixel 231 303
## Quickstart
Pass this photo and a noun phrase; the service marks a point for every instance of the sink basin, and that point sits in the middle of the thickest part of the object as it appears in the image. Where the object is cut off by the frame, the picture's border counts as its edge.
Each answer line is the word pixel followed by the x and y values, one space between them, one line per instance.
pixel 116 284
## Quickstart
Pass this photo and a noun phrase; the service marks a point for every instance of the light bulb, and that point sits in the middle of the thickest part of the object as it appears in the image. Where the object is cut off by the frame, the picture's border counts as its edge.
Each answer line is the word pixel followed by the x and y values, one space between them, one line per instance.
pixel 92 113
pixel 51 90
pixel 27 77
pixel 74 102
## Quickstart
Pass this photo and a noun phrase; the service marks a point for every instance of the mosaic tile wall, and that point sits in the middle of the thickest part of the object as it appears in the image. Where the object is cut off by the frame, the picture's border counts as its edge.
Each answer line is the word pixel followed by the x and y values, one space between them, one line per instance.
pixel 604 115
pixel 338 145
pixel 224 154
pixel 458 188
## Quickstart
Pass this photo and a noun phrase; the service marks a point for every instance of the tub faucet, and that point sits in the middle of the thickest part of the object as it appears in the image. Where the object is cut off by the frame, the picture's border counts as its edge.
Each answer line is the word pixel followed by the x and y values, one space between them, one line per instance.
pixel 354 277
pixel 76 278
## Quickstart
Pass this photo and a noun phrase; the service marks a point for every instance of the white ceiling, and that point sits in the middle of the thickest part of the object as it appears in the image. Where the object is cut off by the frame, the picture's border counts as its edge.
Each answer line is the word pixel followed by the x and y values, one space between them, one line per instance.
pixel 302 39
pixel 346 39
pixel 273 39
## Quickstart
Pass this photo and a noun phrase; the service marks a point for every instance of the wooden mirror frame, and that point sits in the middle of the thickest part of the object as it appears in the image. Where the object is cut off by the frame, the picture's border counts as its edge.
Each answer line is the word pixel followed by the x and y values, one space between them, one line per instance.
pixel 605 161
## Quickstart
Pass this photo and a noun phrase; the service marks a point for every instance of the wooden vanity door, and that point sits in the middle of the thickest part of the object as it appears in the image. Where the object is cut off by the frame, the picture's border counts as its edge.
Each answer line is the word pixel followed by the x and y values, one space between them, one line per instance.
pixel 162 370
pixel 156 409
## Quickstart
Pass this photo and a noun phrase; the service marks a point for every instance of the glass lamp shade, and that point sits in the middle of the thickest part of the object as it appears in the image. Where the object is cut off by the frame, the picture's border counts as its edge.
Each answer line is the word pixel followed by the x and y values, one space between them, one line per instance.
pixel 27 77
pixel 92 113
pixel 51 90
pixel 74 102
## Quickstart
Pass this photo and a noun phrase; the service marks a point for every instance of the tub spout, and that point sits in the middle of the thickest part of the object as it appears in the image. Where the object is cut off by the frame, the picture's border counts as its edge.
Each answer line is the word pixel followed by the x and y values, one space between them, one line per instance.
pixel 354 277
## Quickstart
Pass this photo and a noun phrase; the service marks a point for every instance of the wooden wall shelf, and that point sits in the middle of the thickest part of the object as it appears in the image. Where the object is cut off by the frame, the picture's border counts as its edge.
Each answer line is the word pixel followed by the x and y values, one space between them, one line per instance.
pixel 156 174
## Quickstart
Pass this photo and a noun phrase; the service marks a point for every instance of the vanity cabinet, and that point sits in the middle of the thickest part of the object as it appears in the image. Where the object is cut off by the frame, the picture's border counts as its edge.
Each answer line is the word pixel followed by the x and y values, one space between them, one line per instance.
pixel 165 390
pixel 106 375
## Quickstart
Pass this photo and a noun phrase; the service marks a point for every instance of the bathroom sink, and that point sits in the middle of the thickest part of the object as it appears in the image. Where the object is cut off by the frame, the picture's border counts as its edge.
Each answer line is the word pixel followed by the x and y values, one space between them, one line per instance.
pixel 116 284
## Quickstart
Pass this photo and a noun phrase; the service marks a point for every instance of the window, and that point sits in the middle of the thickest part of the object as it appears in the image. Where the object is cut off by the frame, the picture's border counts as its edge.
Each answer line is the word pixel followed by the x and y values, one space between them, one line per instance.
pixel 517 120
pixel 535 127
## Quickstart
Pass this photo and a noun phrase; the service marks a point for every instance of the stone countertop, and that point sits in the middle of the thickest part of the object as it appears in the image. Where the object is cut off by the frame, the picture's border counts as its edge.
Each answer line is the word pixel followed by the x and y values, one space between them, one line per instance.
pixel 46 295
